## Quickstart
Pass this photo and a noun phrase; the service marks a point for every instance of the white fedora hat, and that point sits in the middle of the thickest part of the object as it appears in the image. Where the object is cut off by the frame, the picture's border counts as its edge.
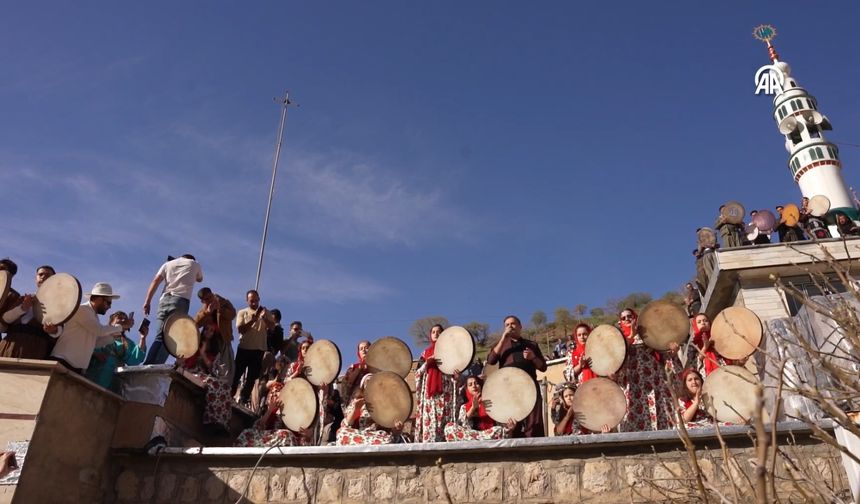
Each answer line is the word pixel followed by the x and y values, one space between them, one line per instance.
pixel 102 289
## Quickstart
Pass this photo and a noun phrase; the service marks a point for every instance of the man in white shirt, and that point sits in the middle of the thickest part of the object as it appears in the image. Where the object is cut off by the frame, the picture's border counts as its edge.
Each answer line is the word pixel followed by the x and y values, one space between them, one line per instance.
pixel 179 276
pixel 83 332
pixel 26 338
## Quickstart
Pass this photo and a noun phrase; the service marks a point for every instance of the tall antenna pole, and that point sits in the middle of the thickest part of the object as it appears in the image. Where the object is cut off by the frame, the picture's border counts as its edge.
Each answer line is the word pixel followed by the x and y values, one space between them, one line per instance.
pixel 285 102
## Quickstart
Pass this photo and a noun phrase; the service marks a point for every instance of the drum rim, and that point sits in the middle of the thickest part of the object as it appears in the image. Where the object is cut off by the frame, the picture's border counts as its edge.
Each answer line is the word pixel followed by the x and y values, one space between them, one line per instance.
pixel 339 358
pixel 471 338
pixel 168 322
pixel 316 409
pixel 409 395
pixel 489 381
pixel 37 313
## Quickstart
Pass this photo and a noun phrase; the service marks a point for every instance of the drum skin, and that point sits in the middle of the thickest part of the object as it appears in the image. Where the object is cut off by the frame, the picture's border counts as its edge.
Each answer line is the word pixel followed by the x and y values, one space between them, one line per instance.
pixel 662 323
pixel 606 348
pixel 390 354
pixel 300 404
pixel 790 215
pixel 180 336
pixel 764 220
pixel 388 398
pixel 58 298
pixel 322 362
pixel 819 205
pixel 733 212
pixel 455 350
pixel 509 393
pixel 736 332
pixel 706 237
pixel 599 402
pixel 729 393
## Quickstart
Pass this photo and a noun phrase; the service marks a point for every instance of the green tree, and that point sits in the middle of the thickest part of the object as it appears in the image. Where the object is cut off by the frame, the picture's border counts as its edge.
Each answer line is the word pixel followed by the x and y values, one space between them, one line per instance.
pixel 478 330
pixel 420 330
pixel 580 310
pixel 539 318
pixel 563 320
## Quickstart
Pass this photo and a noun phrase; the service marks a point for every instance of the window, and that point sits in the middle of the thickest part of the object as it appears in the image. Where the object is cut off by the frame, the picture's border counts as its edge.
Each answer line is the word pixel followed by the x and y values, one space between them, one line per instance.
pixel 784 111
pixel 813 155
pixel 808 288
pixel 819 152
pixel 811 104
pixel 794 105
pixel 813 131
pixel 780 114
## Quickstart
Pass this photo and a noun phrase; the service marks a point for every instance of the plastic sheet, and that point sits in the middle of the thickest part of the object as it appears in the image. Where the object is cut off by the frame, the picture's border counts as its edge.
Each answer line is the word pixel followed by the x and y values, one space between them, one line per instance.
pixel 146 384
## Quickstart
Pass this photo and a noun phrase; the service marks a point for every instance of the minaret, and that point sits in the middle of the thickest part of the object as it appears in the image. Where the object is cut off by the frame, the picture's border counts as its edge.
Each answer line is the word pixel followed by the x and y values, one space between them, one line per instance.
pixel 813 161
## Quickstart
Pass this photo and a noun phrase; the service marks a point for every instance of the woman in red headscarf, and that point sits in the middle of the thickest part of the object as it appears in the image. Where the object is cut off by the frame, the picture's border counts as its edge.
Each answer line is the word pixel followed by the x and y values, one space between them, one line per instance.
pixel 690 406
pixel 707 357
pixel 297 368
pixel 578 369
pixel 355 372
pixel 358 427
pixel 649 399
pixel 435 394
pixel 563 415
pixel 473 422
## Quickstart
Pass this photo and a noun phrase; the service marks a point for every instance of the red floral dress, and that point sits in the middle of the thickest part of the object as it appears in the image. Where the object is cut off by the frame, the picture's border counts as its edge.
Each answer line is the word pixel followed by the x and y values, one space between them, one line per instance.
pixel 477 428
pixel 435 397
pixel 217 409
pixel 700 419
pixel 366 433
pixel 268 434
pixel 574 357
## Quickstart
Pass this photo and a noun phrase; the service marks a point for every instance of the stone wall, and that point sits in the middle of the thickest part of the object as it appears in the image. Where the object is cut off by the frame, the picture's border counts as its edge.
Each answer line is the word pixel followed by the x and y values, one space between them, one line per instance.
pixel 611 470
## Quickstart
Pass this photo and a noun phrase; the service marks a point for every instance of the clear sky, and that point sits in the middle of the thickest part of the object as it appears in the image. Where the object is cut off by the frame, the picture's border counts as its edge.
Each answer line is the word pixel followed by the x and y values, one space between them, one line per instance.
pixel 465 159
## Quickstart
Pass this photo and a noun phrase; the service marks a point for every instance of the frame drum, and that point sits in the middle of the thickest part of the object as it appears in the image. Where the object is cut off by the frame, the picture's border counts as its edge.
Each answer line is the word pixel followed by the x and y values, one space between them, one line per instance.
pixel 322 362
pixel 390 354
pixel 736 332
pixel 663 322
pixel 597 402
pixel 790 214
pixel 706 237
pixel 300 404
pixel 388 398
pixel 819 205
pixel 729 394
pixel 764 220
pixel 58 299
pixel 606 348
pixel 733 212
pixel 509 393
pixel 180 336
pixel 454 350
pixel 5 284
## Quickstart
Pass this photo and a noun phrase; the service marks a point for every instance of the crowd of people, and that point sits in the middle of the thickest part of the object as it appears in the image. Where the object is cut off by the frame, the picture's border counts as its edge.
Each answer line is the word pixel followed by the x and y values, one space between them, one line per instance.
pixel 449 407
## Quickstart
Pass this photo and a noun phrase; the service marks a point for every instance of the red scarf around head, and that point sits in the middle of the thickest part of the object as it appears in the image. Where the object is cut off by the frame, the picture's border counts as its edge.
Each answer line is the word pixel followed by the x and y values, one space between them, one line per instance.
pixel 627 331
pixel 434 376
pixel 483 420
pixel 711 355
pixel 576 356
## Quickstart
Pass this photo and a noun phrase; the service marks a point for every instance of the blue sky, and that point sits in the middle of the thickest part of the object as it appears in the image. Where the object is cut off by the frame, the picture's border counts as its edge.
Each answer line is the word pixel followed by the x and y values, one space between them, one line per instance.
pixel 465 159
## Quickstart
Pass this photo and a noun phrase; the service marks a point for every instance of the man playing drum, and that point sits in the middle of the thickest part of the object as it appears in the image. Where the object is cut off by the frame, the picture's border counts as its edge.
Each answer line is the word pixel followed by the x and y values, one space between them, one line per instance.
pixel 26 338
pixel 730 234
pixel 83 332
pixel 179 276
pixel 253 324
pixel 513 350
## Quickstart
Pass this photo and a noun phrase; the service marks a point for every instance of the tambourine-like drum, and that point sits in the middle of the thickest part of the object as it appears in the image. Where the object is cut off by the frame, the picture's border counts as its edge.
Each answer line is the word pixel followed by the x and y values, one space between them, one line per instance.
pixel 180 336
pixel 663 323
pixel 5 285
pixel 322 362
pixel 300 404
pixel 764 220
pixel 606 348
pixel 736 332
pixel 729 394
pixel 733 212
pixel 599 402
pixel 706 237
pixel 454 350
pixel 388 398
pixel 819 205
pixel 817 228
pixel 389 354
pixel 509 393
pixel 58 298
pixel 790 215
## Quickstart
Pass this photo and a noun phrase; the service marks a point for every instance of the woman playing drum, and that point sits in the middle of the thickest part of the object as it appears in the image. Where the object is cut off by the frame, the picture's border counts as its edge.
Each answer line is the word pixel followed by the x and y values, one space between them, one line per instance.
pixel 708 359
pixel 649 400
pixel 563 415
pixel 269 430
pixel 358 428
pixel 122 352
pixel 473 421
pixel 690 405
pixel 578 369
pixel 435 394
pixel 208 364
pixel 355 372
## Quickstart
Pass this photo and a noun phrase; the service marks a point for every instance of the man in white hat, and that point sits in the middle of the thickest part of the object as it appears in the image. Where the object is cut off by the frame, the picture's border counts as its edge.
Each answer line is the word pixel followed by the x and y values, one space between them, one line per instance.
pixel 83 332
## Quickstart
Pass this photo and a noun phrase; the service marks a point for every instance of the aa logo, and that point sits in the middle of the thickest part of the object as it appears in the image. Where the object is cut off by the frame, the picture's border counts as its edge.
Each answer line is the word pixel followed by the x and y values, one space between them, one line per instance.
pixel 769 79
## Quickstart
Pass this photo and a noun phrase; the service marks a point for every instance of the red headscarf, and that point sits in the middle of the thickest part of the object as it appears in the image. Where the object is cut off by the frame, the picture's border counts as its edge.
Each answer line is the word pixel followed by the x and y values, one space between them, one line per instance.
pixel 434 376
pixel 711 355
pixel 627 326
pixel 576 355
pixel 483 420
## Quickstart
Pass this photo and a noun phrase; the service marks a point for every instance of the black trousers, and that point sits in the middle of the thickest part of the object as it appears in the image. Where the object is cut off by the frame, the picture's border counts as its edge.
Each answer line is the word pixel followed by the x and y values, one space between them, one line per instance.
pixel 252 361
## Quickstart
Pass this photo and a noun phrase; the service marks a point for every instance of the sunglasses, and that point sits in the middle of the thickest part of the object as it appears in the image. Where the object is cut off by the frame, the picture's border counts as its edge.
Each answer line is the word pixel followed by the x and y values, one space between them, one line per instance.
pixel 627 317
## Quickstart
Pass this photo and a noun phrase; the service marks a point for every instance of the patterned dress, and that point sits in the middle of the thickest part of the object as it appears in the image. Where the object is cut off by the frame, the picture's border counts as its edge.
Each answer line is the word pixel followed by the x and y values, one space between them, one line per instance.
pixel 261 435
pixel 465 429
pixel 574 357
pixel 367 433
pixel 434 410
pixel 700 419
pixel 711 360
pixel 217 408
pixel 649 401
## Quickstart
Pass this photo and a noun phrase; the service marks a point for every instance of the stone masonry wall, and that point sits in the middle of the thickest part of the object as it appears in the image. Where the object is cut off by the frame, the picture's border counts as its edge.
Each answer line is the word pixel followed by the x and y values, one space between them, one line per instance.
pixel 572 474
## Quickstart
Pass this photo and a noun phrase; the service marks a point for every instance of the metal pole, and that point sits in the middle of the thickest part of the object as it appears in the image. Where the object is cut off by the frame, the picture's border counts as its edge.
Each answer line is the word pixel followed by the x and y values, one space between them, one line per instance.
pixel 285 101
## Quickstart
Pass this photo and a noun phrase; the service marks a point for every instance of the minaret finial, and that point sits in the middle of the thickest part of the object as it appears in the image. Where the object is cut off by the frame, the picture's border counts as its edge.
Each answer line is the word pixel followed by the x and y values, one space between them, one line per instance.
pixel 766 33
